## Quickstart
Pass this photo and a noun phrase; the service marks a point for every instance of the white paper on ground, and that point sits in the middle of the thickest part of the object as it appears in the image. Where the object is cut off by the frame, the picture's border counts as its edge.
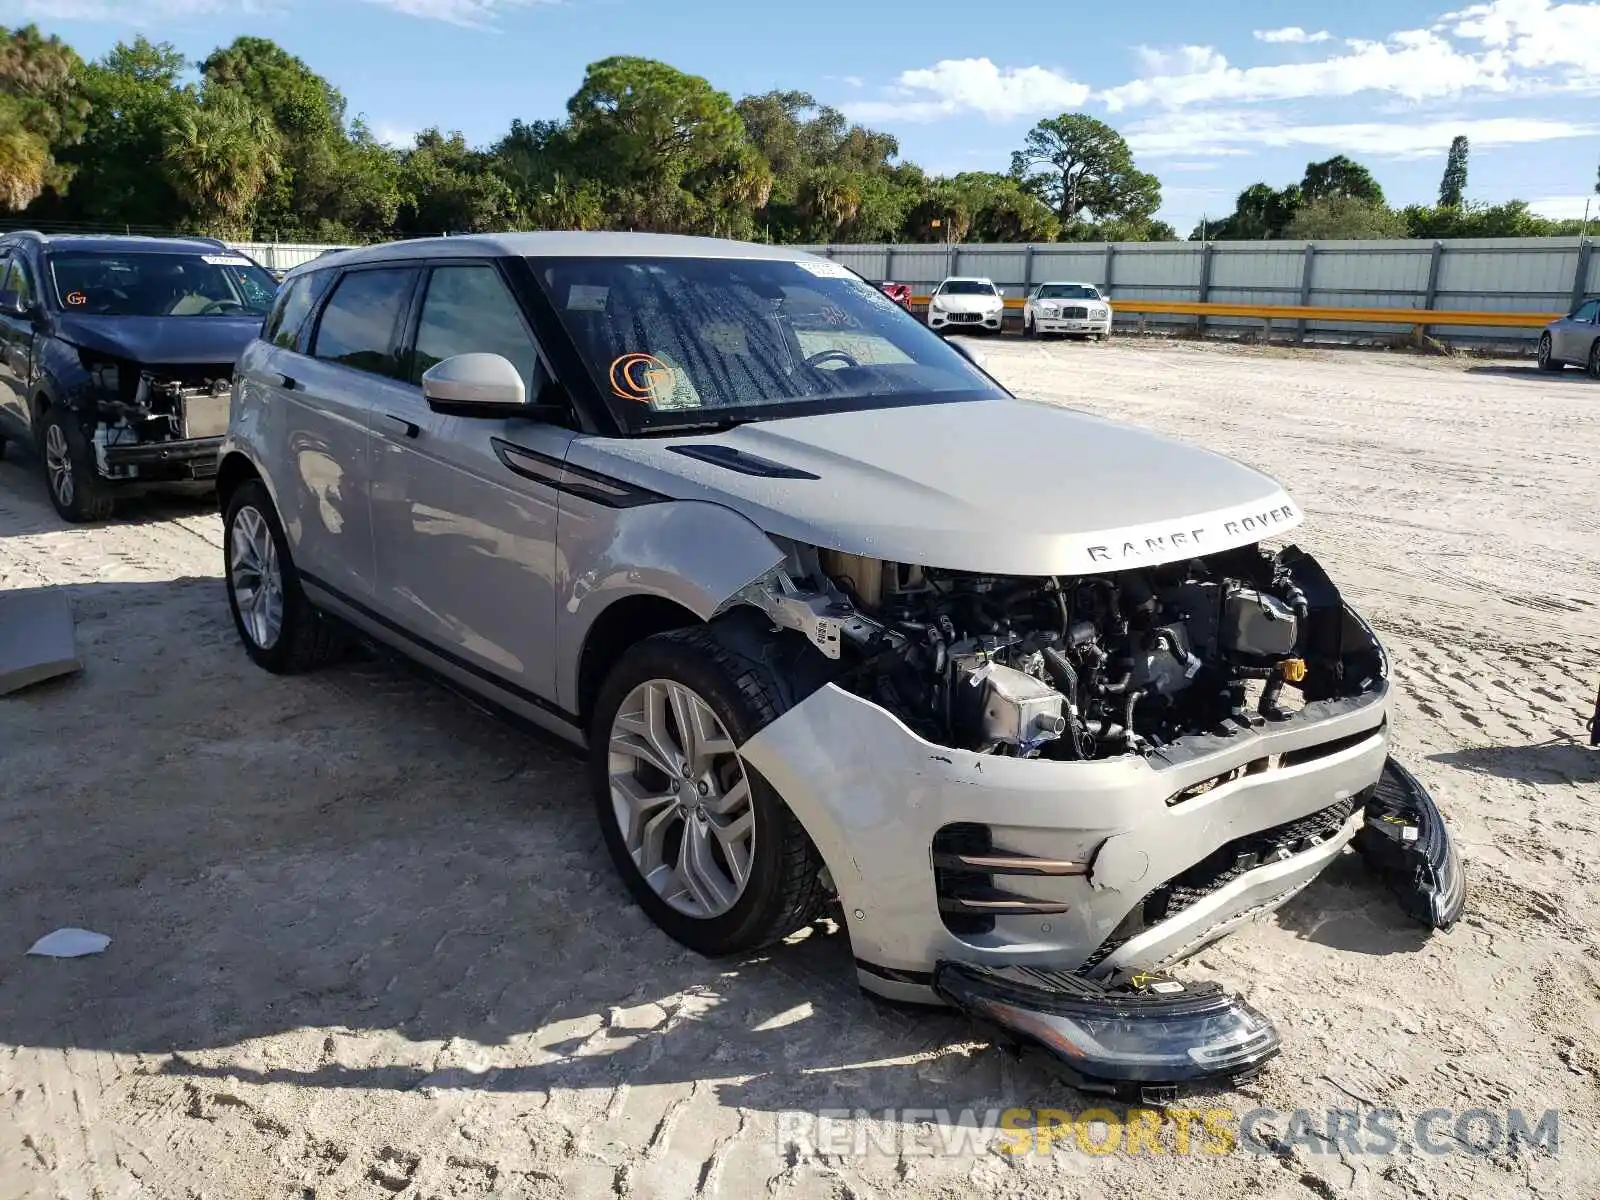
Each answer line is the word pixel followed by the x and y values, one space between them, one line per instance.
pixel 70 943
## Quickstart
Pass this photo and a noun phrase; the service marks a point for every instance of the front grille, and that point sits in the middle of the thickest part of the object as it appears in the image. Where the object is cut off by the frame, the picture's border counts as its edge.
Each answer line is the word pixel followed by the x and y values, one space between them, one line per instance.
pixel 1074 314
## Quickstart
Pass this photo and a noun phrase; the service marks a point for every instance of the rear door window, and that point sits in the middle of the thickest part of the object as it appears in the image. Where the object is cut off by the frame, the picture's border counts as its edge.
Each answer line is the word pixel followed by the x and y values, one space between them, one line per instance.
pixel 295 301
pixel 359 326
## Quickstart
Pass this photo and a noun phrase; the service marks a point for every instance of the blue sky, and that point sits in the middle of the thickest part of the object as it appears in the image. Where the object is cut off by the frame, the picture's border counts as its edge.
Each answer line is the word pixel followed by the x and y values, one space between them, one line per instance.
pixel 1212 97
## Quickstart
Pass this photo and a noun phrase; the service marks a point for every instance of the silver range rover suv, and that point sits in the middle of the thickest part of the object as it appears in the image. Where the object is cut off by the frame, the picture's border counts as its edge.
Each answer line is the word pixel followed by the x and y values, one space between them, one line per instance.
pixel 1038 703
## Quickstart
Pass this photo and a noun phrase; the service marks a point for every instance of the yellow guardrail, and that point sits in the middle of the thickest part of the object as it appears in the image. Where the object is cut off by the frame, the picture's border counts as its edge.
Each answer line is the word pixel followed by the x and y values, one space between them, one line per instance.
pixel 1301 312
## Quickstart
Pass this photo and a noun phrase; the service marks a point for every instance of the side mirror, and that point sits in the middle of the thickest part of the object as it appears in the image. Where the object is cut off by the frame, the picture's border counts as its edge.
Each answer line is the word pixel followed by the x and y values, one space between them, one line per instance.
pixel 13 305
pixel 475 385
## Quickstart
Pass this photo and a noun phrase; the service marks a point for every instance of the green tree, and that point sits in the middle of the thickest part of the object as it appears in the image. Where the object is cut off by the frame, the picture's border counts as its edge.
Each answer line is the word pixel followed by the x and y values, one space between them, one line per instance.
pixel 642 129
pixel 1003 211
pixel 448 187
pixel 1083 167
pixel 1454 184
pixel 133 97
pixel 219 155
pixel 1340 177
pixel 1335 217
pixel 1261 212
pixel 42 110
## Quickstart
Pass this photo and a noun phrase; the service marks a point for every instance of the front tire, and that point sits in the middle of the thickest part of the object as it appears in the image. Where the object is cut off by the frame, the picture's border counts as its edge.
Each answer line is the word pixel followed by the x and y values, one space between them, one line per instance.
pixel 1547 361
pixel 76 489
pixel 1594 360
pixel 1028 330
pixel 704 844
pixel 282 631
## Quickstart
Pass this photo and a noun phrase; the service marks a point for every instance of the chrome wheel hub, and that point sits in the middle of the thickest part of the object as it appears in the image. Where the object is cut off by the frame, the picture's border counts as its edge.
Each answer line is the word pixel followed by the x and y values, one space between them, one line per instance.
pixel 681 798
pixel 255 577
pixel 58 463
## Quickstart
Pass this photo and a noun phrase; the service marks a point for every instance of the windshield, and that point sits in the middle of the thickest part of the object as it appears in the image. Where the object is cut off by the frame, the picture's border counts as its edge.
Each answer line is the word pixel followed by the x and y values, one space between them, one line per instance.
pixel 1068 291
pixel 688 341
pixel 112 284
pixel 966 287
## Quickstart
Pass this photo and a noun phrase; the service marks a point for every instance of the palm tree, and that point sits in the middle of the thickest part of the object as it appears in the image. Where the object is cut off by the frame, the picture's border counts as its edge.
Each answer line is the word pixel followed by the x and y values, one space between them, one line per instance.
pixel 219 155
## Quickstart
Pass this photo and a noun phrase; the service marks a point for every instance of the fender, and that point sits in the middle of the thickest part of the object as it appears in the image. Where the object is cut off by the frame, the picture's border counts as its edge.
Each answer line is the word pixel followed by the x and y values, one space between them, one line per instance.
pixel 694 553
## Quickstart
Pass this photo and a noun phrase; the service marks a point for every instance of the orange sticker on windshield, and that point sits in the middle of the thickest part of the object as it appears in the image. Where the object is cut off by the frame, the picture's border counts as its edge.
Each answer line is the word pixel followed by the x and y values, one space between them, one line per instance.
pixel 77 298
pixel 642 377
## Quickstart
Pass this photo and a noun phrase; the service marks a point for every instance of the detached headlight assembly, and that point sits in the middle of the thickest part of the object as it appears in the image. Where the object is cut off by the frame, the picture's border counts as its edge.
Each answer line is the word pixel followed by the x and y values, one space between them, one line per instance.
pixel 102 371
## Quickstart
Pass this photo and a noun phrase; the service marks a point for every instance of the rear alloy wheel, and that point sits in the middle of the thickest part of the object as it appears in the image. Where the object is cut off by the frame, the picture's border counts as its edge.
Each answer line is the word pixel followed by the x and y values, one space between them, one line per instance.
pixel 1547 360
pixel 704 844
pixel 76 490
pixel 281 630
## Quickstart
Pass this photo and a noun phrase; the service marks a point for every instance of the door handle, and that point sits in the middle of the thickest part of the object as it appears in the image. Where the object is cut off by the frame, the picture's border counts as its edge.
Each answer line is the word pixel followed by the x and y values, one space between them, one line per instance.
pixel 411 427
pixel 284 381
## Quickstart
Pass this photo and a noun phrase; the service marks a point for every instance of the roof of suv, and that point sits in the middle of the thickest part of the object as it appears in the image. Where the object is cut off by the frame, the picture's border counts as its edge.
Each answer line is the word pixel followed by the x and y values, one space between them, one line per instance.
pixel 559 245
pixel 119 242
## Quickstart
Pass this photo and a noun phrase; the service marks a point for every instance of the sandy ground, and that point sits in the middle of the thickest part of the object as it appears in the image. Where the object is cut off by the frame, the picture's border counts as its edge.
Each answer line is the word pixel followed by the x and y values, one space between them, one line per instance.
pixel 367 942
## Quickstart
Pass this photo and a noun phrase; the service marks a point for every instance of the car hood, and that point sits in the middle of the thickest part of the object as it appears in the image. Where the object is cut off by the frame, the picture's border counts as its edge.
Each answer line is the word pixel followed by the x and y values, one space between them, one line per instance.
pixel 969 303
pixel 161 340
pixel 1004 486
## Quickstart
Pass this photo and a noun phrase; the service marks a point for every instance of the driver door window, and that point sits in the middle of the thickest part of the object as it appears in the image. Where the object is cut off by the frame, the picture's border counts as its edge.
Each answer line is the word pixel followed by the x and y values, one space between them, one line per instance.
pixel 470 310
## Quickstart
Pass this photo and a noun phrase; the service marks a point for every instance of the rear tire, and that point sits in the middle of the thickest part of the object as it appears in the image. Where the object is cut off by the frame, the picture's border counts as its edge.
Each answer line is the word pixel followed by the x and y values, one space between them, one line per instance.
pixel 76 489
pixel 1547 361
pixel 782 888
pixel 282 631
pixel 1594 360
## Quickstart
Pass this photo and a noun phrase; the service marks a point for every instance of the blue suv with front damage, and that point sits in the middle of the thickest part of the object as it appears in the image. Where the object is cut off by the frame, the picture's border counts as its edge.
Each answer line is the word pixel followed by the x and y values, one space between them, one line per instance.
pixel 116 358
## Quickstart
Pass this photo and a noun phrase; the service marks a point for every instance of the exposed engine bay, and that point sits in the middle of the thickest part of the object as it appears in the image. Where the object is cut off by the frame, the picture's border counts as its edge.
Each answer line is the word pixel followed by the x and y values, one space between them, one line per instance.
pixel 142 406
pixel 1082 667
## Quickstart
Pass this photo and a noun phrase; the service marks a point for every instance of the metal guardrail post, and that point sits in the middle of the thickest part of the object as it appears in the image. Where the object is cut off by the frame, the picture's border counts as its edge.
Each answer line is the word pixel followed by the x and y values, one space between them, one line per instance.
pixel 954 259
pixel 1027 269
pixel 1107 270
pixel 1580 278
pixel 1206 252
pixel 1436 257
pixel 1307 265
pixel 888 261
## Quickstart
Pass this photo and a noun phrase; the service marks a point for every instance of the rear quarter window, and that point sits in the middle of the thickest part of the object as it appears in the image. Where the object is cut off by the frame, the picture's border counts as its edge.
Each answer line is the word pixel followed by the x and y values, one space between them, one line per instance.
pixel 285 324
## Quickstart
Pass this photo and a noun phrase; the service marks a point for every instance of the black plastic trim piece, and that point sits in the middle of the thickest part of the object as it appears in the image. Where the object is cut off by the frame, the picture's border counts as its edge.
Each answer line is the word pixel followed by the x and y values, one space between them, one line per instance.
pixel 571 480
pixel 895 974
pixel 738 460
pixel 1406 841
pixel 455 660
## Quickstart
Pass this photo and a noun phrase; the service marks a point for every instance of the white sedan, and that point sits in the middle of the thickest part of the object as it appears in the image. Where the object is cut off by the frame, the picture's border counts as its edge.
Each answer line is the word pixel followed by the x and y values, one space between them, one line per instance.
pixel 962 303
pixel 1076 308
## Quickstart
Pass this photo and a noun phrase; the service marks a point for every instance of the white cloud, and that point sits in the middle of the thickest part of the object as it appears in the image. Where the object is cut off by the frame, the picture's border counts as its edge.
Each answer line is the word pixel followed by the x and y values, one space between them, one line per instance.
pixel 399 136
pixel 1532 34
pixel 1416 64
pixel 972 85
pixel 1292 35
pixel 472 14
pixel 1568 208
pixel 1228 132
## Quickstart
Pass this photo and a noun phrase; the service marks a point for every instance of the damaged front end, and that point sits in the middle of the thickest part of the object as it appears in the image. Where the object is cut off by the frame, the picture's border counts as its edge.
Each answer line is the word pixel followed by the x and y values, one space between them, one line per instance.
pixel 153 423
pixel 1101 774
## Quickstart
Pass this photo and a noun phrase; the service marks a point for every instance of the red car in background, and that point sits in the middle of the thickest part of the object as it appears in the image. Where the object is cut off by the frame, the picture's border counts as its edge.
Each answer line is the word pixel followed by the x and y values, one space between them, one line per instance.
pixel 900 293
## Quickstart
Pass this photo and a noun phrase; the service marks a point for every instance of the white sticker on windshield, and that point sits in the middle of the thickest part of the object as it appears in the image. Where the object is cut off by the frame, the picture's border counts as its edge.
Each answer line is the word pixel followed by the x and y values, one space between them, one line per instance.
pixel 823 269
pixel 226 260
pixel 587 297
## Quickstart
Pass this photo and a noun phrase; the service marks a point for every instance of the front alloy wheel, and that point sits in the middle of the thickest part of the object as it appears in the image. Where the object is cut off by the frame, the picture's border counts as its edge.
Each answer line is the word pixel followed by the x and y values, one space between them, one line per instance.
pixel 681 798
pixel 1594 360
pixel 1546 351
pixel 704 844
pixel 254 577
pixel 76 490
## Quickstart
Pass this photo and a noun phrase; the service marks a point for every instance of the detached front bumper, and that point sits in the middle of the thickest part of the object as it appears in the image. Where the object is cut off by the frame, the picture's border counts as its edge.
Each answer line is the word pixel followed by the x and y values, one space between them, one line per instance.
pixel 1088 867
